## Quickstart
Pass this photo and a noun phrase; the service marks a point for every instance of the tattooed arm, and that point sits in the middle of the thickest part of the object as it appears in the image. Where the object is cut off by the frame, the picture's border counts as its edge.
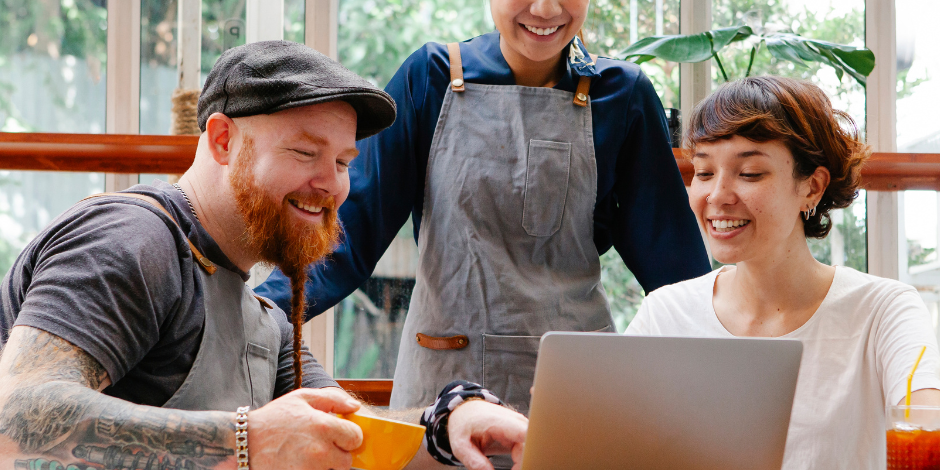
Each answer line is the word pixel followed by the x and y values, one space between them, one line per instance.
pixel 51 408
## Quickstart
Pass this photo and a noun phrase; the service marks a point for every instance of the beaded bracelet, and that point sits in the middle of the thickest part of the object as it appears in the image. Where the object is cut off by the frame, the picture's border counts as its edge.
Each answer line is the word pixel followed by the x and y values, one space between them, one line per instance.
pixel 435 417
pixel 241 437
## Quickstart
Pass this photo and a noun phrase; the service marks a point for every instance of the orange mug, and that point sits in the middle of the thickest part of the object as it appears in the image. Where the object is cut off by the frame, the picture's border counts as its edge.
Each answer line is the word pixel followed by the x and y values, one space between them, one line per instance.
pixel 386 444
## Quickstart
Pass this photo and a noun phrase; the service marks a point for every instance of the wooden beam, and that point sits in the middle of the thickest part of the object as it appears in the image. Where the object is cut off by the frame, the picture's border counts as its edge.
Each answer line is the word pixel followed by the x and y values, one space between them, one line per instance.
pixel 173 154
pixel 373 392
pixel 106 153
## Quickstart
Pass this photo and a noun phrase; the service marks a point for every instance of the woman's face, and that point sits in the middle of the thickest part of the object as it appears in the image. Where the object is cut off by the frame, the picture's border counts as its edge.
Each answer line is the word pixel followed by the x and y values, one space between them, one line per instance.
pixel 538 29
pixel 747 199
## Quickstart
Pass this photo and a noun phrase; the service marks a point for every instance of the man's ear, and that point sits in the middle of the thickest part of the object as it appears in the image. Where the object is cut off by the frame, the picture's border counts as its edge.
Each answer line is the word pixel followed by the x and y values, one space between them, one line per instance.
pixel 221 131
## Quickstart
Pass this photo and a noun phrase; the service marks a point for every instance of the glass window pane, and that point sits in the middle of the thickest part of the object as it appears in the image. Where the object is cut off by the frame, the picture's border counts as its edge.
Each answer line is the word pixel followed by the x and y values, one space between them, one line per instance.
pixel 612 26
pixel 918 61
pixel 376 36
pixel 53 60
pixel 223 27
pixel 918 131
pixel 158 75
pixel 294 20
pixel 52 67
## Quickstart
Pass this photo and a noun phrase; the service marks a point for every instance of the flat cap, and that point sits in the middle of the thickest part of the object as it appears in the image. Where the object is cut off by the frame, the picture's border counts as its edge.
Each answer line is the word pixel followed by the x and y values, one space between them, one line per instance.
pixel 269 76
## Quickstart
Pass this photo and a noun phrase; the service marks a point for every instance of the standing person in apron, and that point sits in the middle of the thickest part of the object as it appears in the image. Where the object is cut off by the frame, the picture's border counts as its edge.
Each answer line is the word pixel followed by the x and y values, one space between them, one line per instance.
pixel 520 159
pixel 129 339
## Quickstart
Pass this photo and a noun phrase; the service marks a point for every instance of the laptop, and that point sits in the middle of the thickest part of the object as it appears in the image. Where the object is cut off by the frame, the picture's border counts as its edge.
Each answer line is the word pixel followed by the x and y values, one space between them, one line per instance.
pixel 607 401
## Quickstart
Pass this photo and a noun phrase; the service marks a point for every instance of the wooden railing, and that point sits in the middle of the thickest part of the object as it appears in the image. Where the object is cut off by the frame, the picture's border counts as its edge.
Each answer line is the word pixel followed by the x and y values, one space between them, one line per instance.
pixel 104 153
pixel 111 153
pixel 375 392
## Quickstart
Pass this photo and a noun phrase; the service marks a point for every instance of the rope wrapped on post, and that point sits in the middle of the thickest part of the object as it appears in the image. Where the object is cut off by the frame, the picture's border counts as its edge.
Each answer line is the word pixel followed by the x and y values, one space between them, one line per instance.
pixel 184 112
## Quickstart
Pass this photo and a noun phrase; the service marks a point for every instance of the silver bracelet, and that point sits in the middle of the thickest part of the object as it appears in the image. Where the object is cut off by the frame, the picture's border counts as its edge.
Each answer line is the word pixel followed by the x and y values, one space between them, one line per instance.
pixel 241 437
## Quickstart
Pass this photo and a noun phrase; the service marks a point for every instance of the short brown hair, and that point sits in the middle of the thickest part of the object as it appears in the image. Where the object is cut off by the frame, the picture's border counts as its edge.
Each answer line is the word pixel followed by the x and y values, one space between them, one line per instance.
pixel 799 115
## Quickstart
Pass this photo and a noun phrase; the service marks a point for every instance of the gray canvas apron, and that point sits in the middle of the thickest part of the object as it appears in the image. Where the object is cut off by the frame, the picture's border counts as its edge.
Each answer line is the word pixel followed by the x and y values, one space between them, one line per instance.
pixel 507 240
pixel 237 360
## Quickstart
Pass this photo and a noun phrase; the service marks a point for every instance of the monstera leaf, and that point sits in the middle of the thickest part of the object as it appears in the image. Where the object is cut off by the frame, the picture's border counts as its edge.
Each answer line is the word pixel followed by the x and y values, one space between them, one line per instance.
pixel 685 48
pixel 857 62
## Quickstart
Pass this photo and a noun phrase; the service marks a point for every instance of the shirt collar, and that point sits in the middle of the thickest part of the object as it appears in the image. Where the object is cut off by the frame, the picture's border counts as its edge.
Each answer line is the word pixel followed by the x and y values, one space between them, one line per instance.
pixel 580 60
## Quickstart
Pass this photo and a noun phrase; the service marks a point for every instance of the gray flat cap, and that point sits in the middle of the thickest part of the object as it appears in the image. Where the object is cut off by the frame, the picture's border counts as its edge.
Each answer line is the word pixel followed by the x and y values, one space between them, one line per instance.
pixel 269 76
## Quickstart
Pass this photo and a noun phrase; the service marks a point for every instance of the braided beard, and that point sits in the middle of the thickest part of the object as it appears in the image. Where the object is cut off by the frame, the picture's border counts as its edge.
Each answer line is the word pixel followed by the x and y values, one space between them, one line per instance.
pixel 280 238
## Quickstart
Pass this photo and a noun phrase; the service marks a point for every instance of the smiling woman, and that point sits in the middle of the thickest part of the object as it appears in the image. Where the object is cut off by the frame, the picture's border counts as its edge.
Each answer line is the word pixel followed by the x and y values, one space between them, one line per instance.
pixel 772 159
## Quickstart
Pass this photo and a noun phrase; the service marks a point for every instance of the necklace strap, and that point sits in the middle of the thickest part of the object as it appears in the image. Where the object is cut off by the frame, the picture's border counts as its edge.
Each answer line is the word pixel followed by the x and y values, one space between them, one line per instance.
pixel 191 208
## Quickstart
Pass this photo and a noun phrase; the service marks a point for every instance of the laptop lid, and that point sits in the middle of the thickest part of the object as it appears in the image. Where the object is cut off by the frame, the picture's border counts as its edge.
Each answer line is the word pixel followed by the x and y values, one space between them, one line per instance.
pixel 609 401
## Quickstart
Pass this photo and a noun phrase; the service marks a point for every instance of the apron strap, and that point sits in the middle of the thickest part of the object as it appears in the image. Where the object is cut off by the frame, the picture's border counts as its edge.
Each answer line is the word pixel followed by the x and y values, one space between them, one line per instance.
pixel 203 261
pixel 584 87
pixel 457 85
pixel 456 67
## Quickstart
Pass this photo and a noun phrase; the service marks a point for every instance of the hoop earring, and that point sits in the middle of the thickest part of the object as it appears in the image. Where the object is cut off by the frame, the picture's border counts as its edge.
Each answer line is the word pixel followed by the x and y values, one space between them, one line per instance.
pixel 809 212
pixel 706 200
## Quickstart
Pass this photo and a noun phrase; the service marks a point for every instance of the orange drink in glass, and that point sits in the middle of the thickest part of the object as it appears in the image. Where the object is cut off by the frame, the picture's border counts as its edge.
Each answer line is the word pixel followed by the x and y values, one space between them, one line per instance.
pixel 913 437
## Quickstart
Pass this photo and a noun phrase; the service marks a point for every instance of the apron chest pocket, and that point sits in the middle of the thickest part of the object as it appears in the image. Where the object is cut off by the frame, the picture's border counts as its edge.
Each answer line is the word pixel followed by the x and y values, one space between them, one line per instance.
pixel 546 187
pixel 261 374
pixel 509 367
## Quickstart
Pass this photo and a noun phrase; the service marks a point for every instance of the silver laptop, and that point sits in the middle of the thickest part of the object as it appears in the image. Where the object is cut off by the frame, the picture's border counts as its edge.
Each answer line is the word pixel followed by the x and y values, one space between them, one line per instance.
pixel 606 401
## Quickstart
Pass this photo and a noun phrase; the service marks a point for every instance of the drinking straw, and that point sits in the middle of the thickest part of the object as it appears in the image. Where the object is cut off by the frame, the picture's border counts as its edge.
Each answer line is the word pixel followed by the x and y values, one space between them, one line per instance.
pixel 910 378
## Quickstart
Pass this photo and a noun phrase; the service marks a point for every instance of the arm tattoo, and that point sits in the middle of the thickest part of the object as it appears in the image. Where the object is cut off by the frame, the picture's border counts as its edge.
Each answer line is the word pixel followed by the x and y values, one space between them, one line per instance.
pixel 53 413
pixel 45 417
pixel 58 359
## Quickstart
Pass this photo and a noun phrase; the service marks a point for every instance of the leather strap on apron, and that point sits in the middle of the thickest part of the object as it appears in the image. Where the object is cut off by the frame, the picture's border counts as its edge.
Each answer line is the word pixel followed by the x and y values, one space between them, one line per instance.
pixel 456 67
pixel 203 261
pixel 584 86
pixel 442 343
pixel 456 75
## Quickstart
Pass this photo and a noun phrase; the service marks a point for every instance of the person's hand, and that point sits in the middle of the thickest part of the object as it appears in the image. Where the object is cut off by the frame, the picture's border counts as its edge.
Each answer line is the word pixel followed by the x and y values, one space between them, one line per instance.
pixel 477 428
pixel 297 431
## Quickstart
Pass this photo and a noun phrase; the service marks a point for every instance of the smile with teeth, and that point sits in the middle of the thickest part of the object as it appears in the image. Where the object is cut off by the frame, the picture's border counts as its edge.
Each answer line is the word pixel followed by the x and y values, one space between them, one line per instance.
pixel 306 207
pixel 541 31
pixel 728 225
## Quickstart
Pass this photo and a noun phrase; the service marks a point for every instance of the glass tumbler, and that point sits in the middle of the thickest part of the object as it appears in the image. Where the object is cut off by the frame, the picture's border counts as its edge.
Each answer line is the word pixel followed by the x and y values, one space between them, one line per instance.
pixel 913 437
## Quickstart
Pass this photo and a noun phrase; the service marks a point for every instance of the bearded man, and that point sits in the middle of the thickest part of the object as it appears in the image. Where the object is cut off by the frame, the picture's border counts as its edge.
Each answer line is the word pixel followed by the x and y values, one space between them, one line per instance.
pixel 129 337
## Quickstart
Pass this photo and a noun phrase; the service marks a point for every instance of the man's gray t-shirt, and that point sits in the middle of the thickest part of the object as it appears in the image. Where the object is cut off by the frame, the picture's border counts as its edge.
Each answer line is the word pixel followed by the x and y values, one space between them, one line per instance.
pixel 117 279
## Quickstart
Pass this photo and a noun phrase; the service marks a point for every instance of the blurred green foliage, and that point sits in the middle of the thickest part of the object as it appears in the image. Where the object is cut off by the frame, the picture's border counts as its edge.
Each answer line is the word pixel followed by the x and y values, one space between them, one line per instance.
pixel 376 36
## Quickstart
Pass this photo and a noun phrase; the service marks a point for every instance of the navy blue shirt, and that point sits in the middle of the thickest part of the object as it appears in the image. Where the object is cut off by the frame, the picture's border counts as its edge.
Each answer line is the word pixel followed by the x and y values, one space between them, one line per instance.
pixel 642 207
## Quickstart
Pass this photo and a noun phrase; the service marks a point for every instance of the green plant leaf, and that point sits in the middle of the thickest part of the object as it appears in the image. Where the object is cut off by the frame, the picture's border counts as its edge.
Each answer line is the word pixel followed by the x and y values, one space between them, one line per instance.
pixel 684 47
pixel 784 47
pixel 723 36
pixel 679 48
pixel 857 62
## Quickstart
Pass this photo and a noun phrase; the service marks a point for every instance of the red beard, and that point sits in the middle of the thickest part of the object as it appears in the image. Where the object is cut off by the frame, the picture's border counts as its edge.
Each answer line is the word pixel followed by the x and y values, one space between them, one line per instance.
pixel 280 238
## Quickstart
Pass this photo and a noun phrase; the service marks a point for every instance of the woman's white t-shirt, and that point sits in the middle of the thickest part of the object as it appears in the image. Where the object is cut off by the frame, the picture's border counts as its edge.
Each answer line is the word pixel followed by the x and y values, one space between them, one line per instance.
pixel 858 349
